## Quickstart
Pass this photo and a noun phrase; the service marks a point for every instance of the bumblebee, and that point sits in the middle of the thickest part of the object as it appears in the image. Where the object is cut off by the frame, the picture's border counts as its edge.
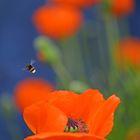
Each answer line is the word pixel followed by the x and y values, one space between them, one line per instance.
pixel 30 67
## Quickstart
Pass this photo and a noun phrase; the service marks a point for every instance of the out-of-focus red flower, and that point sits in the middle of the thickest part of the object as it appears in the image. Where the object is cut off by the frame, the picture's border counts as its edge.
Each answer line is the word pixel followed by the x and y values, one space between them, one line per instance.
pixel 134 134
pixel 128 52
pixel 89 114
pixel 76 3
pixel 122 7
pixel 57 21
pixel 30 91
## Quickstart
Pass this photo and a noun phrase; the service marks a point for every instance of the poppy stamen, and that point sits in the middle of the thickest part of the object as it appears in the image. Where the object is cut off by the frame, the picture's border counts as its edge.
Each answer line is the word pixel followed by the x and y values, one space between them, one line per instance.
pixel 76 126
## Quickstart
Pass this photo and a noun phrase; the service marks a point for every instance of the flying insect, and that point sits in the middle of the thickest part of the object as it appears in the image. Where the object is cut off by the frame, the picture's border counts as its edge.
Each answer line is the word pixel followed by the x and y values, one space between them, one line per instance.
pixel 30 67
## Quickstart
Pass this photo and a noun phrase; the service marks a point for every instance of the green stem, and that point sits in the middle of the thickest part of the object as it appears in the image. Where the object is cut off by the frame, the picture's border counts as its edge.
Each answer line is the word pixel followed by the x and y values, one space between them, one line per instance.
pixel 62 74
pixel 81 69
pixel 113 38
pixel 72 57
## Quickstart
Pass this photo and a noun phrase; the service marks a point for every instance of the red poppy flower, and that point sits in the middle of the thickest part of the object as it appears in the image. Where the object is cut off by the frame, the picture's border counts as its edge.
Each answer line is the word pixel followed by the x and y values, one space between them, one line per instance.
pixel 57 21
pixel 122 7
pixel 76 3
pixel 30 91
pixel 88 115
pixel 128 52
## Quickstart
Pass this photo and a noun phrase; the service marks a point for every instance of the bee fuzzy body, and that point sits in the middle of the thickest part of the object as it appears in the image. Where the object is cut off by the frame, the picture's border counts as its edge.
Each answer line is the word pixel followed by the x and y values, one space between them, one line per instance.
pixel 30 68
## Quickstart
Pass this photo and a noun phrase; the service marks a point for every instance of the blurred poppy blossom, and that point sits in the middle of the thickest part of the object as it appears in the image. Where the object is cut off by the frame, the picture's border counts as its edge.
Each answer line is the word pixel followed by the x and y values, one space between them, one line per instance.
pixel 88 115
pixel 128 52
pixel 30 91
pixel 122 7
pixel 134 134
pixel 76 3
pixel 57 21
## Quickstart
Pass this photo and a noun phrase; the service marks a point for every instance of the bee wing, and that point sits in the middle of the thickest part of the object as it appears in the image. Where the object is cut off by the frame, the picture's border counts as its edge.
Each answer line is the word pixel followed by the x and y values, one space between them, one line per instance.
pixel 24 69
pixel 21 68
pixel 32 62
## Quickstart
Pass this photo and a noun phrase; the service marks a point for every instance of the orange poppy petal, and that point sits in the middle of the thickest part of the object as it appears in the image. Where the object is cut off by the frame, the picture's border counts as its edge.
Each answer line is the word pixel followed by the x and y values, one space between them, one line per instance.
pixel 64 100
pixel 89 102
pixel 77 106
pixel 63 136
pixel 43 117
pixel 101 122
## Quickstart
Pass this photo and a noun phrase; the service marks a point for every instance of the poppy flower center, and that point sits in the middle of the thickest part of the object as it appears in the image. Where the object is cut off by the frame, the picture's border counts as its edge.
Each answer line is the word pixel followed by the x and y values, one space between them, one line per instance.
pixel 76 126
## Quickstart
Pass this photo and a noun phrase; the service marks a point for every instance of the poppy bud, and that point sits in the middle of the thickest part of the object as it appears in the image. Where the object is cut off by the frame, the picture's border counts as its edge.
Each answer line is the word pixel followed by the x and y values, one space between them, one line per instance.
pixel 78 86
pixel 7 105
pixel 47 49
